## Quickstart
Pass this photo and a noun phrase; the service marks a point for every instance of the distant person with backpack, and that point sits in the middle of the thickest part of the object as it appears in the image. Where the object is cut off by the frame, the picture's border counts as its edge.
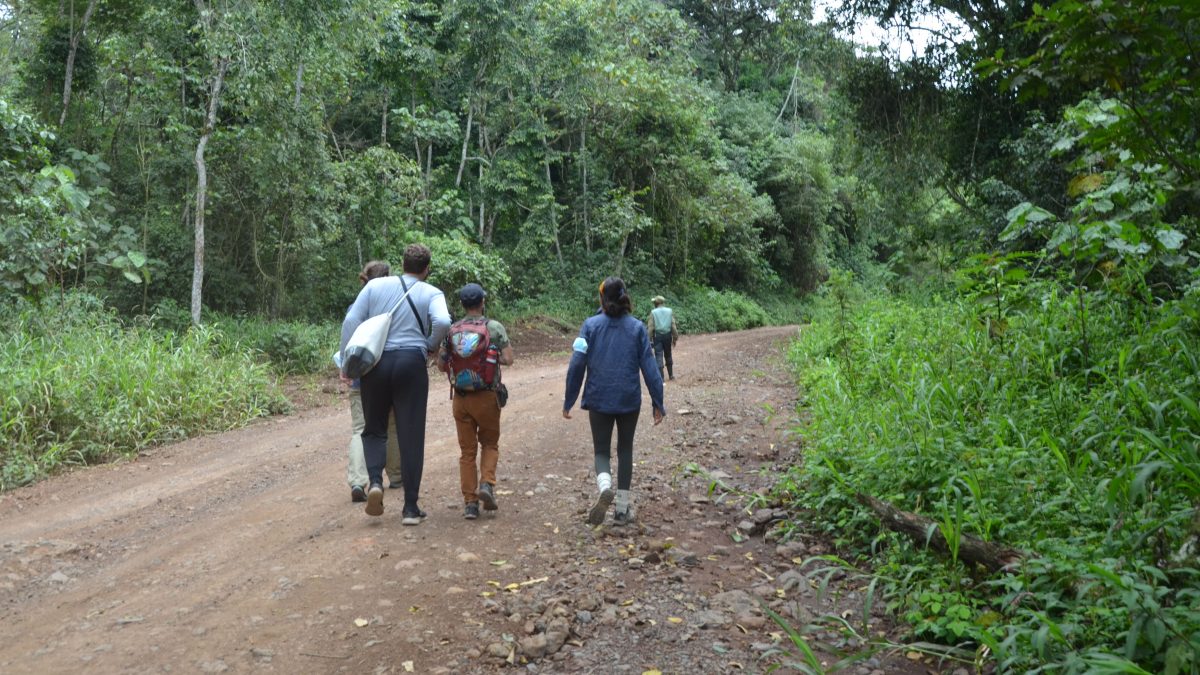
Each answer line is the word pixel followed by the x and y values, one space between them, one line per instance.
pixel 663 335
pixel 473 352
pixel 611 349
pixel 356 465
pixel 399 383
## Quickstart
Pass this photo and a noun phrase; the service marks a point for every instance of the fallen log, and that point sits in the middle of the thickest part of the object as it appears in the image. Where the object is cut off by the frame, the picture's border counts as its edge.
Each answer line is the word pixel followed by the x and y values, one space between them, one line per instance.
pixel 925 532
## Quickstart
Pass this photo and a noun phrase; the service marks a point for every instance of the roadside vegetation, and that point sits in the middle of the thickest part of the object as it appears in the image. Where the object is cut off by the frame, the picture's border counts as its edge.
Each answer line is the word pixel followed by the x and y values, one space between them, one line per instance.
pixel 1083 457
pixel 81 386
pixel 1002 420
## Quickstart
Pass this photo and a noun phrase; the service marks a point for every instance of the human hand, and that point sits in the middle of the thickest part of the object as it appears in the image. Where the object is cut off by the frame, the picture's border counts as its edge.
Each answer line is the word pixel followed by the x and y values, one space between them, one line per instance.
pixel 658 416
pixel 566 414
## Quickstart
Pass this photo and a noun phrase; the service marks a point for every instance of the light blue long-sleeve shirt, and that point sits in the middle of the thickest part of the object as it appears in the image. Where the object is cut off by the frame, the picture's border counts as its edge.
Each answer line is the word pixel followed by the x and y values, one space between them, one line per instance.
pixel 380 295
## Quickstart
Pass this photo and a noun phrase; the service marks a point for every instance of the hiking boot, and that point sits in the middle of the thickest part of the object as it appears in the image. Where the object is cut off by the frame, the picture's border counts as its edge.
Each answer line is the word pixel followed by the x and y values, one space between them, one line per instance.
pixel 622 518
pixel 487 496
pixel 603 501
pixel 471 511
pixel 358 494
pixel 395 484
pixel 413 517
pixel 375 500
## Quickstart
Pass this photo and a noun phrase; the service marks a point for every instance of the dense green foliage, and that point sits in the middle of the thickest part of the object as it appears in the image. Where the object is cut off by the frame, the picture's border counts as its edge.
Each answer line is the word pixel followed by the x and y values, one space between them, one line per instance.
pixel 79 386
pixel 531 144
pixel 1091 468
pixel 1046 400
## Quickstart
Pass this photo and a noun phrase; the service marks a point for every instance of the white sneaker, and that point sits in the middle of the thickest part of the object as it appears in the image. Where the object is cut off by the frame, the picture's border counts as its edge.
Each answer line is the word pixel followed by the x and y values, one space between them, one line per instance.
pixel 600 508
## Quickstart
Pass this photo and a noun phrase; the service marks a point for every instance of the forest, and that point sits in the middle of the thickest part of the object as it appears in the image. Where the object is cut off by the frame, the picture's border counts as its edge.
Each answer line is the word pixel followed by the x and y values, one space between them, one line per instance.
pixel 986 217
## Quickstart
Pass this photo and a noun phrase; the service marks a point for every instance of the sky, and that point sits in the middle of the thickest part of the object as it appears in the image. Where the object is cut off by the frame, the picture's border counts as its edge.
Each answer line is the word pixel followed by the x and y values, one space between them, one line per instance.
pixel 902 43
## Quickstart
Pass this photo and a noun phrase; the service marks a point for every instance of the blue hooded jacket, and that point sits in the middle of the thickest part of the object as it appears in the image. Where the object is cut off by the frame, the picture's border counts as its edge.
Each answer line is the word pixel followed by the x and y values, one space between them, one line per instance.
pixel 610 352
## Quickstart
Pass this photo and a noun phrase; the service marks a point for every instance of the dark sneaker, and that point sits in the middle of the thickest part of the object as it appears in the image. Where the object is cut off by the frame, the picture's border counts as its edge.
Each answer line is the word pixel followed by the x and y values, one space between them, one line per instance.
pixel 357 494
pixel 622 518
pixel 375 500
pixel 487 496
pixel 471 511
pixel 413 517
pixel 603 501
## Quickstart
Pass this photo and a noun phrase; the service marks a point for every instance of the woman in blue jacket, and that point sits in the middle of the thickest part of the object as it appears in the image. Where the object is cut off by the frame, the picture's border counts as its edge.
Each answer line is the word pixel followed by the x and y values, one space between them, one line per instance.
pixel 611 348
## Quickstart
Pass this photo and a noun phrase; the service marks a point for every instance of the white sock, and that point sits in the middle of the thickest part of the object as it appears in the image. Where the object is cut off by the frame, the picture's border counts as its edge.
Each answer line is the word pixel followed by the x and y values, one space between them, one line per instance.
pixel 623 501
pixel 603 482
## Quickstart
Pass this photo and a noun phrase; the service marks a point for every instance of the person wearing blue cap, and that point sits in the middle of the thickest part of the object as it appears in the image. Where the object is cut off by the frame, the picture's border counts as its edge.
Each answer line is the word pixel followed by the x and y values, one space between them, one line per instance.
pixel 471 356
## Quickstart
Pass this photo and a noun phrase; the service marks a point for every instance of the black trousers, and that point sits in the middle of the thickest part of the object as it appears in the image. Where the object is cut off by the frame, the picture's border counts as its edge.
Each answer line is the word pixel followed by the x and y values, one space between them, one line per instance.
pixel 602 428
pixel 662 348
pixel 400 384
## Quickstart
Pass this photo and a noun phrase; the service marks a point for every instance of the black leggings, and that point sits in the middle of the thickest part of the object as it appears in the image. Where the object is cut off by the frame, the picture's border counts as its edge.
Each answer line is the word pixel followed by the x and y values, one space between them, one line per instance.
pixel 602 428
pixel 399 384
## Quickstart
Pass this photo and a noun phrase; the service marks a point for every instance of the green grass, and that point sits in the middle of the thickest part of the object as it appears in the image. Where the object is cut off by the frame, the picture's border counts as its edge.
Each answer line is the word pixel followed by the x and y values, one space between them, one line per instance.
pixel 1085 453
pixel 289 347
pixel 80 387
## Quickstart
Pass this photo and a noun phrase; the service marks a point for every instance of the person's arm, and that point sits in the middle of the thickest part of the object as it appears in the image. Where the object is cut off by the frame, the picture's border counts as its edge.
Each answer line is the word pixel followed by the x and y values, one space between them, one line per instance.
pixel 500 339
pixel 652 376
pixel 358 313
pixel 650 326
pixel 575 373
pixel 439 318
pixel 674 330
pixel 443 358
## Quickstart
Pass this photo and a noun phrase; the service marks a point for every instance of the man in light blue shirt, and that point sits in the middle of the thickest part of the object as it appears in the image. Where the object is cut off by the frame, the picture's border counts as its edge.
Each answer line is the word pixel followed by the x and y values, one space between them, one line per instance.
pixel 400 381
pixel 663 335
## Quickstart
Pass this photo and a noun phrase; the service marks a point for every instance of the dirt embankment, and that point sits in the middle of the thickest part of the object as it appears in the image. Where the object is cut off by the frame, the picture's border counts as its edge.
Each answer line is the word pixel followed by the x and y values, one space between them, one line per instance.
pixel 242 552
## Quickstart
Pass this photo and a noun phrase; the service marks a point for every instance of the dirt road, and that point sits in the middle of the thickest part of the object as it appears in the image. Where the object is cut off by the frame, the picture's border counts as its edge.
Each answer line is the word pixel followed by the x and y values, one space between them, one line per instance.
pixel 242 552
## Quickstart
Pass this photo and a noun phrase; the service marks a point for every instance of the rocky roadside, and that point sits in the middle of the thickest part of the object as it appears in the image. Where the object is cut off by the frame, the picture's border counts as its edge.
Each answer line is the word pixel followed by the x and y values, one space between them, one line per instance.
pixel 692 585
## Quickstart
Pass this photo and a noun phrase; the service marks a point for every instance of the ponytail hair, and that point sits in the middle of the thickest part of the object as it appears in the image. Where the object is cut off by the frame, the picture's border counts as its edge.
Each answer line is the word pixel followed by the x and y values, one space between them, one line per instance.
pixel 374 270
pixel 614 298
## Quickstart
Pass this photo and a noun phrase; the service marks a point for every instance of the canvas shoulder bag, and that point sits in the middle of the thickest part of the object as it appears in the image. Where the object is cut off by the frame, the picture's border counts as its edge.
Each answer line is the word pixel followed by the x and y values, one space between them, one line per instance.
pixel 366 345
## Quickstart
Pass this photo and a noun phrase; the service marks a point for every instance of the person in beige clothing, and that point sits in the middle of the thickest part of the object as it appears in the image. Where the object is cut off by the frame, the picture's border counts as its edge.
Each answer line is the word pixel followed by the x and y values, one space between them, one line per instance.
pixel 356 464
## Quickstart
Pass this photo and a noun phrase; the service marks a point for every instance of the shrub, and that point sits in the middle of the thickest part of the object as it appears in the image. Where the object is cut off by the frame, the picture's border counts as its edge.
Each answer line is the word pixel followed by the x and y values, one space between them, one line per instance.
pixel 289 347
pixel 1078 446
pixel 80 387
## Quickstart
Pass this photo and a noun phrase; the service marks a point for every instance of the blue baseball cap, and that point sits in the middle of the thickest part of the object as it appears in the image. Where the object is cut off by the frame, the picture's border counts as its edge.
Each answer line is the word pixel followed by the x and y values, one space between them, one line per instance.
pixel 471 295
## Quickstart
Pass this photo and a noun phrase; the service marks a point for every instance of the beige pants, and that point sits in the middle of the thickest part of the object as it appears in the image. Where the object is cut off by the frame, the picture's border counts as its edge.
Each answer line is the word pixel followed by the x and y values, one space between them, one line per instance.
pixel 356 465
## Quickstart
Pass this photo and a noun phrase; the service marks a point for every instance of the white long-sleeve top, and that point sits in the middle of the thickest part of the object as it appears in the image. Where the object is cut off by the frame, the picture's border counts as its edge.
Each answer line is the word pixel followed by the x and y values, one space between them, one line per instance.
pixel 380 295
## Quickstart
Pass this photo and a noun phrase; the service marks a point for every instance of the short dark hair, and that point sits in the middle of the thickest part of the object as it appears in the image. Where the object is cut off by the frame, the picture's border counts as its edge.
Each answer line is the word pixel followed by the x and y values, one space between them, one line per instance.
pixel 614 298
pixel 416 258
pixel 374 270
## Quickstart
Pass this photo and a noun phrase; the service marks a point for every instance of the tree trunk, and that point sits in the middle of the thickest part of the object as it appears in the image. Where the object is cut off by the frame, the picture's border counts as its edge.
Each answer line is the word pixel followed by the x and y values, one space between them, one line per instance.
pixel 553 203
pixel 383 117
pixel 462 160
pixel 587 226
pixel 481 230
pixel 925 532
pixel 790 93
pixel 299 82
pixel 210 122
pixel 428 180
pixel 76 36
pixel 487 233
